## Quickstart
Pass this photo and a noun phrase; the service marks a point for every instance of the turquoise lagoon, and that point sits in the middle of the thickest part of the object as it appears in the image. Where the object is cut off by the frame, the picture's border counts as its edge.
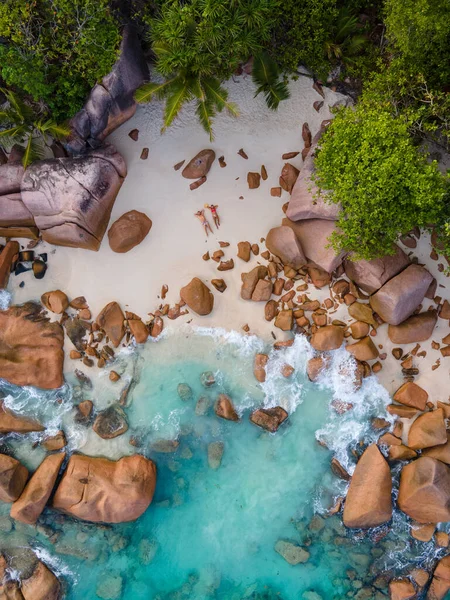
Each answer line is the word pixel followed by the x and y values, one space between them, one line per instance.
pixel 211 532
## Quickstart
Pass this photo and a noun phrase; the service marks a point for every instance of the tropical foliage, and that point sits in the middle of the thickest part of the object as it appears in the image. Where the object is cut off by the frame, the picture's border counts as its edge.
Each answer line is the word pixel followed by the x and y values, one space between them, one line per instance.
pixel 20 125
pixel 56 50
pixel 385 186
pixel 266 77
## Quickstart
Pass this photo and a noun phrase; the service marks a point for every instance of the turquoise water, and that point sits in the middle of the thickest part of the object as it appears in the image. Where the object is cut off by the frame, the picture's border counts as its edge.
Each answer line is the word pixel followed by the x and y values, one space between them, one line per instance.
pixel 210 533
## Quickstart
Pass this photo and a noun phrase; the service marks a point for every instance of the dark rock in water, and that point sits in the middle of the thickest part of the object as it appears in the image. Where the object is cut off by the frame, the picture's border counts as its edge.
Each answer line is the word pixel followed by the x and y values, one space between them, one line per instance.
pixel 224 408
pixel 269 418
pixel 111 422
pixel 215 453
pixel 76 331
pixel 83 415
pixel 83 379
pixel 184 391
pixel 202 406
pixel 39 269
pixel 292 553
pixel 165 446
pixel 207 379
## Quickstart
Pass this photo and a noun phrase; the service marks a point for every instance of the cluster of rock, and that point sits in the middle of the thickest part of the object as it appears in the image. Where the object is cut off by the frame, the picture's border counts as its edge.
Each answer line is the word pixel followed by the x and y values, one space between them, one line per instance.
pixel 38 582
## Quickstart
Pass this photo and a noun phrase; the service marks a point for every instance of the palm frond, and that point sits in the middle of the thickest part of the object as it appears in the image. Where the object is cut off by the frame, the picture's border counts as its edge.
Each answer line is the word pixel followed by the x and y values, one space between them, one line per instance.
pixel 33 151
pixel 55 130
pixel 274 94
pixel 16 133
pixel 206 112
pixel 22 112
pixel 175 100
pixel 265 75
pixel 219 96
pixel 146 92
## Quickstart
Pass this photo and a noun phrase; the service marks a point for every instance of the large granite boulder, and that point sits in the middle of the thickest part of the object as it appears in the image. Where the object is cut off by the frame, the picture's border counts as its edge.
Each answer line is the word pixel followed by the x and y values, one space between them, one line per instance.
pixel 369 502
pixel 440 584
pixel 428 430
pixel 401 295
pixel 111 101
pixel 12 423
pixel 370 275
pixel 11 175
pixel 112 320
pixel 41 585
pixel 305 202
pixel 269 418
pixel 282 242
pixel 128 231
pixel 417 328
pixel 13 477
pixel 411 394
pixel 15 218
pixel 200 165
pixel 441 452
pixel 8 257
pixel 71 198
pixel 31 348
pixel 34 497
pixel 327 338
pixel 313 235
pixel 198 296
pixel 102 490
pixel 424 492
pixel 250 280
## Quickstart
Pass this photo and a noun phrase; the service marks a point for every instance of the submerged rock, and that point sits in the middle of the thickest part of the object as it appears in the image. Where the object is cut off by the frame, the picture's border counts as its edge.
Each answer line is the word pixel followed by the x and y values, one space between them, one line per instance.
pixel 215 453
pixel 202 406
pixel 111 422
pixel 224 408
pixel 292 553
pixel 109 587
pixel 184 392
pixel 207 379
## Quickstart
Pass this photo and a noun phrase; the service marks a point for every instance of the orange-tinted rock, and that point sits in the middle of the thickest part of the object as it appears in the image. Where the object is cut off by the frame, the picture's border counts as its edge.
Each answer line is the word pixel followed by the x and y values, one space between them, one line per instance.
pixel 200 165
pixel 368 502
pixel 359 330
pixel 55 301
pixel 327 338
pixel 262 291
pixel 34 497
pixel 364 349
pixel 13 477
pixel 55 442
pixel 428 430
pixel 411 394
pixel 244 251
pixel 282 242
pixel 31 348
pixel 423 533
pixel 370 275
pixel 401 589
pixel 401 452
pixel 10 422
pixel 284 320
pixel 102 490
pixel 224 408
pixel 288 177
pixel 198 297
pixel 417 328
pixel 405 412
pixel 269 418
pixel 250 279
pixel 128 231
pixel 424 492
pixel 441 452
pixel 8 256
pixel 314 367
pixel 111 320
pixel 440 584
pixel 259 367
pixel 138 328
pixel 41 585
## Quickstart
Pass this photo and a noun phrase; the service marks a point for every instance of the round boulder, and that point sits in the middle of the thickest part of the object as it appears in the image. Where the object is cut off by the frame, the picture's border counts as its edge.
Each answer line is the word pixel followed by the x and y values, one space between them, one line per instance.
pixel 56 301
pixel 200 165
pixel 327 338
pixel 198 297
pixel 282 242
pixel 128 231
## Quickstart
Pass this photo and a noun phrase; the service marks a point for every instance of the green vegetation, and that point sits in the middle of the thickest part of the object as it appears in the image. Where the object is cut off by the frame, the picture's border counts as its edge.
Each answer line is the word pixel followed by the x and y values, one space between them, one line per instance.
pixel 20 125
pixel 56 50
pixel 266 76
pixel 384 184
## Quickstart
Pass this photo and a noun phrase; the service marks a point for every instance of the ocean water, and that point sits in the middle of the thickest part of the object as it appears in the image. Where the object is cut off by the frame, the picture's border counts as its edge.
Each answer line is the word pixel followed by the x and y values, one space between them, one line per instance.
pixel 211 532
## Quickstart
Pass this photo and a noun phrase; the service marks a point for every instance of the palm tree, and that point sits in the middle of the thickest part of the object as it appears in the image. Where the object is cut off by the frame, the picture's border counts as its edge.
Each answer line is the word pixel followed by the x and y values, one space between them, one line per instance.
pixel 19 124
pixel 206 91
pixel 266 75
pixel 347 39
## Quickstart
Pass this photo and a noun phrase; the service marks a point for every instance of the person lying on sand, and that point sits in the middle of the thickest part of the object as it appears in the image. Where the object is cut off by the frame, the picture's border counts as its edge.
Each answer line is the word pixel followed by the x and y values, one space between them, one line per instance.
pixel 200 214
pixel 213 208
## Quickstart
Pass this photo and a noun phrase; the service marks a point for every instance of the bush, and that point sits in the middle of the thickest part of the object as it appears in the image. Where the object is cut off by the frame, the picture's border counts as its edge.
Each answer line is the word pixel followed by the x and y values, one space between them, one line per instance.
pixel 384 184
pixel 56 50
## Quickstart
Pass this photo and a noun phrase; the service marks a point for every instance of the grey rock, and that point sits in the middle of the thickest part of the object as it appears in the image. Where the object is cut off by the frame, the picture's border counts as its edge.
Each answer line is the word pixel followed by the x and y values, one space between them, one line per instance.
pixel 292 553
pixel 215 453
pixel 111 422
pixel 370 275
pixel 202 406
pixel 109 587
pixel 184 392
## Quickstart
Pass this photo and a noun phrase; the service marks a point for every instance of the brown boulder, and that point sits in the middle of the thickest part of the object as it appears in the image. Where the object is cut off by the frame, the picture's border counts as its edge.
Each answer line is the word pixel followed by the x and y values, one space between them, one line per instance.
pixel 138 328
pixel 244 251
pixel 411 394
pixel 224 408
pixel 259 367
pixel 359 330
pixel 9 422
pixel 262 291
pixel 71 198
pixel 198 297
pixel 361 312
pixel 424 492
pixel 253 180
pixel 110 423
pixel 56 301
pixel 282 242
pixel 31 348
pixel 41 585
pixel 249 281
pixel 401 295
pixel 200 165
pixel 428 430
pixel 284 320
pixel 269 418
pixel 13 477
pixel 34 497
pixel 368 502
pixel 102 490
pixel 111 320
pixel 55 442
pixel 128 231
pixel 441 452
pixel 313 235
pixel 314 367
pixel 401 589
pixel 370 275
pixel 440 584
pixel 417 328
pixel 288 177
pixel 363 349
pixel 8 256
pixel 271 310
pixel 327 338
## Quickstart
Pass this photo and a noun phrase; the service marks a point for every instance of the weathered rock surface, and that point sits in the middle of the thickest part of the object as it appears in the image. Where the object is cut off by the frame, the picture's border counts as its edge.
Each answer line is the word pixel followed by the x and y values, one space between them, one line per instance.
pixel 8 256
pixel 282 242
pixel 417 328
pixel 259 367
pixel 11 175
pixel 41 585
pixel 424 492
pixel 440 584
pixel 269 418
pixel 411 394
pixel 292 553
pixel 55 301
pixel 363 349
pixel 9 422
pixel 303 203
pixel 111 320
pixel 428 430
pixel 111 102
pixel 13 477
pixel 34 497
pixel 313 236
pixel 327 338
pixel 250 279
pixel 128 231
pixel 288 177
pixel 370 275
pixel 401 589
pixel 314 367
pixel 198 297
pixel 111 422
pixel 224 408
pixel 401 295
pixel 31 348
pixel 368 502
pixel 200 165
pixel 71 198
pixel 138 328
pixel 441 452
pixel 102 490
pixel 215 453
pixel 14 213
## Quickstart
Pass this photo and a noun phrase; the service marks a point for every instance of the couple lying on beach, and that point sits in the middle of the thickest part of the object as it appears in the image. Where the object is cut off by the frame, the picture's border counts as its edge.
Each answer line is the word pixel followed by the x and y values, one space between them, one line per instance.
pixel 200 214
